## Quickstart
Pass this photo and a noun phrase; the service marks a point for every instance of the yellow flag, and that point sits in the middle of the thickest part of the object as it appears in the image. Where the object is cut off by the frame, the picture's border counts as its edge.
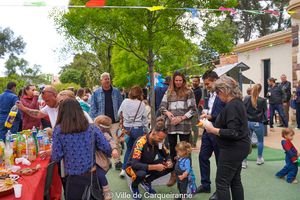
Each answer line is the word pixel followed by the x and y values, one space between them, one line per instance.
pixel 291 12
pixel 155 8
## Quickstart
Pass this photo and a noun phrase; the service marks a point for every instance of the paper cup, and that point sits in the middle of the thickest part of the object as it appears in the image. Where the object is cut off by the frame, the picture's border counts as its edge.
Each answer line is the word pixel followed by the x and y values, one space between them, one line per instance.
pixel 18 190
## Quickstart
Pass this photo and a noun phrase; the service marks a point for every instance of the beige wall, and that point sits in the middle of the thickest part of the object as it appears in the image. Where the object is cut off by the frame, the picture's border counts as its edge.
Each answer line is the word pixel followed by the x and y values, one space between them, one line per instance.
pixel 281 62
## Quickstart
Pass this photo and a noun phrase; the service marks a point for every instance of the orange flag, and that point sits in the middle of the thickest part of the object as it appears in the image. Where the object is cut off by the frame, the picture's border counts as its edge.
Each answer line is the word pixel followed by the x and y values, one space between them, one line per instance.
pixel 93 3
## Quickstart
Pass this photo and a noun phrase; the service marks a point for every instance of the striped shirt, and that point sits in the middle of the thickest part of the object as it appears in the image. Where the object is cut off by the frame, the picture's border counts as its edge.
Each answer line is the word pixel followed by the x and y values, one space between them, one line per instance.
pixel 179 106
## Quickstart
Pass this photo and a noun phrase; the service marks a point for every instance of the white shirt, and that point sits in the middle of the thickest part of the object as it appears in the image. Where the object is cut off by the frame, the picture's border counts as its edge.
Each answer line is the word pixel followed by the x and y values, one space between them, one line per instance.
pixel 53 112
pixel 211 102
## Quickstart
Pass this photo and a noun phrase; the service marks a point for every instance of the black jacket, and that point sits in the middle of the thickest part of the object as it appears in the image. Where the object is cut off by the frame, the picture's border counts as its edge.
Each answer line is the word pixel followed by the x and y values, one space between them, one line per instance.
pixel 256 114
pixel 286 91
pixel 275 94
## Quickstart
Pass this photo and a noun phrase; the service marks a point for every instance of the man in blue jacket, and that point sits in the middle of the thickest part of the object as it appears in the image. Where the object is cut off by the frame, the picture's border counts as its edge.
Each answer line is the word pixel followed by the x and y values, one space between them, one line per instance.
pixel 106 101
pixel 213 106
pixel 8 99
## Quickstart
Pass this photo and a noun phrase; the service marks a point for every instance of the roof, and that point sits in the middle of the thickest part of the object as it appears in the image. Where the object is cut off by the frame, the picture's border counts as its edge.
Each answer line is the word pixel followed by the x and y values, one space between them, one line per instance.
pixel 274 39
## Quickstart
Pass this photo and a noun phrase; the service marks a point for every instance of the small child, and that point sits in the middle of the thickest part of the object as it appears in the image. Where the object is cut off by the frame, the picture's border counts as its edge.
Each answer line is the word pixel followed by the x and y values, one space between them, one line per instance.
pixel 183 169
pixel 291 155
pixel 104 124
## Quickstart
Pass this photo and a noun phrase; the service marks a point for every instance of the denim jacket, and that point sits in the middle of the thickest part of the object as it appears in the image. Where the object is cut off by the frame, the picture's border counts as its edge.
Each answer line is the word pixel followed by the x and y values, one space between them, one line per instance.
pixel 98 103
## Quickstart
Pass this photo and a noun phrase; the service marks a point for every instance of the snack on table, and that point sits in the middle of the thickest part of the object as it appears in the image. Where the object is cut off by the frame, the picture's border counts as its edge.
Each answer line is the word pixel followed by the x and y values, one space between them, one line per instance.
pixel 6 186
pixel 29 171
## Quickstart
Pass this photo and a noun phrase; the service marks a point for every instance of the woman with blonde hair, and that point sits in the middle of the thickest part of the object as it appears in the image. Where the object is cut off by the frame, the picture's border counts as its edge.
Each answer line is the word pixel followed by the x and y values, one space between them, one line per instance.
pixel 179 106
pixel 256 107
pixel 133 115
pixel 231 129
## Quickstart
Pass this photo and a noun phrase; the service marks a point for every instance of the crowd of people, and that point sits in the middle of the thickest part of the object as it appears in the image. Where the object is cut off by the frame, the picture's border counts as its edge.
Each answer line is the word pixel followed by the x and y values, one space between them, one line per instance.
pixel 91 128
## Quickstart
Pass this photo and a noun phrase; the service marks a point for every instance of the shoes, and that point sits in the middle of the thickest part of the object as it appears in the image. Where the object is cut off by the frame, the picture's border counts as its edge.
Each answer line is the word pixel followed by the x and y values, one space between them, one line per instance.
pixel 118 165
pixel 272 129
pixel 147 187
pixel 201 189
pixel 122 173
pixel 295 181
pixel 214 196
pixel 244 164
pixel 172 179
pixel 260 161
pixel 135 193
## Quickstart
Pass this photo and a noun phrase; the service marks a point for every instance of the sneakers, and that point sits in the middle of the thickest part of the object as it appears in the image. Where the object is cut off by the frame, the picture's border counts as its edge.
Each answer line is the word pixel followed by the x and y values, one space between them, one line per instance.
pixel 260 161
pixel 244 164
pixel 295 181
pixel 118 165
pixel 147 187
pixel 122 173
pixel 135 193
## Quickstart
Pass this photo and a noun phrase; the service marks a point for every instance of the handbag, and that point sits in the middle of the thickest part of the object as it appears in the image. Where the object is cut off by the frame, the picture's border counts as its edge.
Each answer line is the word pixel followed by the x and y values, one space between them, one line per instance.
pixel 91 190
pixel 124 131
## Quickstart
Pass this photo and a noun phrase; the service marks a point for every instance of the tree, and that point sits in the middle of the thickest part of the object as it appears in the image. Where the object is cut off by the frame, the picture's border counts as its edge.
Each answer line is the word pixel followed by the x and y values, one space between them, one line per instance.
pixel 71 76
pixel 142 33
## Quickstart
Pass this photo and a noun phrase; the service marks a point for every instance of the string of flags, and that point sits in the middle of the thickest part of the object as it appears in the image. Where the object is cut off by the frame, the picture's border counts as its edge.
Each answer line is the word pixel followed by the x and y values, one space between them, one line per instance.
pixel 102 4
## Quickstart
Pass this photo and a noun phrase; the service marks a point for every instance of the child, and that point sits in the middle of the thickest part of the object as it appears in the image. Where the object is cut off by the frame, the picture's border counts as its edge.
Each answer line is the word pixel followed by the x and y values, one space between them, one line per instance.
pixel 184 172
pixel 104 124
pixel 291 155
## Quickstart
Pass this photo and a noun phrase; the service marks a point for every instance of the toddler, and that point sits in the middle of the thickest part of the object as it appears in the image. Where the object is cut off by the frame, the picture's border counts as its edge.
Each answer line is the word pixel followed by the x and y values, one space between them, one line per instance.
pixel 183 168
pixel 291 155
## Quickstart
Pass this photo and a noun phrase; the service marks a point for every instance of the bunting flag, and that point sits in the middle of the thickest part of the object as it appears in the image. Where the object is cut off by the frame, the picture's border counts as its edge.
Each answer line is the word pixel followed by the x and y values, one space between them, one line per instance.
pixel 95 3
pixel 231 10
pixel 35 3
pixel 156 8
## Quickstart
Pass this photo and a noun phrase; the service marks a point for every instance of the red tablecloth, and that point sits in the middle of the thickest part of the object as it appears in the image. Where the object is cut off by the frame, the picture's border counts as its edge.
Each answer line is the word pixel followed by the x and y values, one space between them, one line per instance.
pixel 33 186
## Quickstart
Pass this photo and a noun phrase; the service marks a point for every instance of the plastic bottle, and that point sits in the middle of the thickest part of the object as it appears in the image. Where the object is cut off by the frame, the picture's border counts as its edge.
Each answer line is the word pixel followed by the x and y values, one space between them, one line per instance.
pixel 11 117
pixel 2 155
pixel 40 141
pixel 46 141
pixel 14 145
pixel 31 149
pixel 34 132
pixel 21 146
pixel 8 151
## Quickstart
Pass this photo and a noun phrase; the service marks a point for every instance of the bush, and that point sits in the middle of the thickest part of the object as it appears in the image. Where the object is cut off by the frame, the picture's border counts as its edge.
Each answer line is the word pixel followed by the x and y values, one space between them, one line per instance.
pixel 64 86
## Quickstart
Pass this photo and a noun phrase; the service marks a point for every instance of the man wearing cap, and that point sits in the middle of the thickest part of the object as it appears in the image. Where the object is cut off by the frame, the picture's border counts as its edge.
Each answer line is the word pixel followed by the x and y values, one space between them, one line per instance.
pixel 160 91
pixel 275 96
pixel 142 165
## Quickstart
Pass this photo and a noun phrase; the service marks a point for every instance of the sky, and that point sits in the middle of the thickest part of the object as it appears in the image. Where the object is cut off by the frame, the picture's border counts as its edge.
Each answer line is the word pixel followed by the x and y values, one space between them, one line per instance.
pixel 38 32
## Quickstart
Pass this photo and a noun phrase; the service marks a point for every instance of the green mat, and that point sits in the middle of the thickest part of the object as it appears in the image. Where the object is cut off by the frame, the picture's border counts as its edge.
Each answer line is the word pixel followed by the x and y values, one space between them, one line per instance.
pixel 269 154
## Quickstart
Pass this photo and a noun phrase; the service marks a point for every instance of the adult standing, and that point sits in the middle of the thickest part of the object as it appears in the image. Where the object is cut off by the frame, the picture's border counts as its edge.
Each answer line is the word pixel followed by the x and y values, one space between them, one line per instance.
pixel 256 107
pixel 107 100
pixel 179 106
pixel 214 106
pixel 298 105
pixel 286 95
pixel 134 116
pixel 198 95
pixel 8 99
pixel 231 129
pixel 75 141
pixel 275 96
pixel 30 100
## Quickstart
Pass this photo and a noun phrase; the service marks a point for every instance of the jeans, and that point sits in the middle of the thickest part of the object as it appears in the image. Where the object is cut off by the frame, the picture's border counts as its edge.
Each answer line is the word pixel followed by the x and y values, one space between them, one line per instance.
pixel 298 114
pixel 135 133
pixel 279 108
pixel 258 129
pixel 290 170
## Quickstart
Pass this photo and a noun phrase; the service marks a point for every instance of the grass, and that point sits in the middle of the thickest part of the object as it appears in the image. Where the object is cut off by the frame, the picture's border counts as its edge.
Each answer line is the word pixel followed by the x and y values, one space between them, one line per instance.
pixel 259 182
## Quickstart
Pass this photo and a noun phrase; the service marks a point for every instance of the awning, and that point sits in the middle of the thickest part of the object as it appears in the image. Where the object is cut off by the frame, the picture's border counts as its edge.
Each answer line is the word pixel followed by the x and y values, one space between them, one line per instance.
pixel 233 70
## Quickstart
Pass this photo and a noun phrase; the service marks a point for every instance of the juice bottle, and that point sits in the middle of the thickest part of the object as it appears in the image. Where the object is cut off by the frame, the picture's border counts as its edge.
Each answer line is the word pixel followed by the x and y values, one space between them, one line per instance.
pixel 11 117
pixel 8 151
pixel 21 152
pixel 2 156
pixel 46 141
pixel 31 149
pixel 14 145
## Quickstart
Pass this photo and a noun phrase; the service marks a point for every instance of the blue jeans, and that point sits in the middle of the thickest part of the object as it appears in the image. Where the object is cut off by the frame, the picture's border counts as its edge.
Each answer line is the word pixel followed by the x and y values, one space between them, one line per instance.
pixel 290 170
pixel 135 133
pixel 279 109
pixel 259 129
